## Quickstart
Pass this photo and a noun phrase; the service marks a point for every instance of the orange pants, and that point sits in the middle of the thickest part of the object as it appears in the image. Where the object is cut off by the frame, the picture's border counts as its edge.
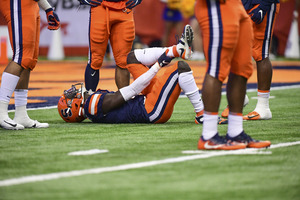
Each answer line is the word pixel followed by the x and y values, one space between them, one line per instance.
pixel 23 22
pixel 263 33
pixel 115 25
pixel 162 92
pixel 227 37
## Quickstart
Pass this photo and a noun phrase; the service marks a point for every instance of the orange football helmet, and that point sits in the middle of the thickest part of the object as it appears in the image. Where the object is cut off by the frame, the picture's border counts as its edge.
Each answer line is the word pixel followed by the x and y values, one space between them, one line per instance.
pixel 70 104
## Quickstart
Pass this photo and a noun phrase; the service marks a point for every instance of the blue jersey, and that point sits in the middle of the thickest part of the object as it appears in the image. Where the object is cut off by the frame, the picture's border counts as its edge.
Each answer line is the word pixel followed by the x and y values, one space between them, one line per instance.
pixel 172 15
pixel 132 111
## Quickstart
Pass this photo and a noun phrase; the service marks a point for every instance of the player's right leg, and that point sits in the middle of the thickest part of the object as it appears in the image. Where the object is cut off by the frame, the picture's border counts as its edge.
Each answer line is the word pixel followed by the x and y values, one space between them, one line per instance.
pixel 98 40
pixel 184 46
pixel 149 56
pixel 11 74
pixel 91 77
pixel 9 81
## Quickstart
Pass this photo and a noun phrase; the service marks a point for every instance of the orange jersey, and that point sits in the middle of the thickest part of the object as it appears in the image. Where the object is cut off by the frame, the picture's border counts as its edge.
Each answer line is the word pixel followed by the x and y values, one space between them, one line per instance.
pixel 162 92
pixel 227 37
pixel 263 33
pixel 23 22
pixel 114 25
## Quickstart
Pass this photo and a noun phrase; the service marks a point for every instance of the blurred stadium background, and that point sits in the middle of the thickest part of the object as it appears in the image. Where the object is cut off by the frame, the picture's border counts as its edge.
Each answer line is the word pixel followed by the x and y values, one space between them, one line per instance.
pixel 73 35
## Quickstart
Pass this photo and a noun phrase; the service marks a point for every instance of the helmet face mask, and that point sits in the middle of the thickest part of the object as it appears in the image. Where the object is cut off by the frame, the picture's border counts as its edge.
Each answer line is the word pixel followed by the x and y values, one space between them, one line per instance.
pixel 70 104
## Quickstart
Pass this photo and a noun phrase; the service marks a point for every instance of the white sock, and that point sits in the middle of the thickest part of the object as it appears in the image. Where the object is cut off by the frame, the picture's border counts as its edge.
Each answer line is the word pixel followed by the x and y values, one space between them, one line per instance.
pixel 210 125
pixel 149 56
pixel 3 110
pixel 235 124
pixel 21 103
pixel 21 97
pixel 140 83
pixel 44 4
pixel 21 113
pixel 8 85
pixel 188 85
pixel 262 100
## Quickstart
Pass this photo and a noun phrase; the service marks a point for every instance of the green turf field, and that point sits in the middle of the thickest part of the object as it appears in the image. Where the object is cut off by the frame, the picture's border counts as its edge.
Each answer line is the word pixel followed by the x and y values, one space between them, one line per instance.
pixel 273 175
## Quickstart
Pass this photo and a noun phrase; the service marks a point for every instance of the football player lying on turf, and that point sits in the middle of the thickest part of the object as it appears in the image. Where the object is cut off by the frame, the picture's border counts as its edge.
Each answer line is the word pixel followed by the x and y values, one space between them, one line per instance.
pixel 149 99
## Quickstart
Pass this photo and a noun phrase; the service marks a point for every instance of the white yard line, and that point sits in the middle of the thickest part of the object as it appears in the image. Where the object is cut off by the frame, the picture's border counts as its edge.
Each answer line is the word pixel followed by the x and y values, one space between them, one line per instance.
pixel 87 152
pixel 205 154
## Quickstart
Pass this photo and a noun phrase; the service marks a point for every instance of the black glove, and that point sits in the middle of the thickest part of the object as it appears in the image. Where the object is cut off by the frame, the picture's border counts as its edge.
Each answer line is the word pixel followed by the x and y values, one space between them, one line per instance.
pixel 258 14
pixel 164 60
pixel 92 3
pixel 132 3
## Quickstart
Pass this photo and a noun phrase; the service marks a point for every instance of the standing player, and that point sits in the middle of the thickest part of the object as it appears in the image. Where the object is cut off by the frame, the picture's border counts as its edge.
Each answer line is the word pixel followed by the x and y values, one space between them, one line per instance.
pixel 109 20
pixel 227 39
pixel 23 22
pixel 263 14
pixel 160 89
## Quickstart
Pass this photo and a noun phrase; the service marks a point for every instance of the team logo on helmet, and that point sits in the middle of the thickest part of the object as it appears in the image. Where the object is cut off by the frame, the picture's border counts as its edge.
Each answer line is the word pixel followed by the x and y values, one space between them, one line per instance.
pixel 70 104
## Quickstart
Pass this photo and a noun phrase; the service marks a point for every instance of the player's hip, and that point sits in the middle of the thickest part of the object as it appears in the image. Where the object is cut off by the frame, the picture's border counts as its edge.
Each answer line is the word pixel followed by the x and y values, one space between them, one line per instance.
pixel 163 94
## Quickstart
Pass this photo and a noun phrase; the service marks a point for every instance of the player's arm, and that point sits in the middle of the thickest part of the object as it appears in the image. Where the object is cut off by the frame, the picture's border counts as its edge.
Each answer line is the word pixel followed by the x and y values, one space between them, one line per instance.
pixel 114 100
pixel 52 17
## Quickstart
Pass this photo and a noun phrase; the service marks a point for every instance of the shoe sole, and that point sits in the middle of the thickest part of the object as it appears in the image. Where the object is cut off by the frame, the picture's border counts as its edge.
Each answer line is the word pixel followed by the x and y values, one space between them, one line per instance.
pixel 258 145
pixel 202 146
pixel 188 35
pixel 255 116
pixel 12 128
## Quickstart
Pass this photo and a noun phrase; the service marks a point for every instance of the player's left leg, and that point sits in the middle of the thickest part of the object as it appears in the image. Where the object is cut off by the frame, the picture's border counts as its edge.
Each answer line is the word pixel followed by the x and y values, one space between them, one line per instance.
pixel 9 81
pixel 241 70
pixel 21 94
pixel 122 33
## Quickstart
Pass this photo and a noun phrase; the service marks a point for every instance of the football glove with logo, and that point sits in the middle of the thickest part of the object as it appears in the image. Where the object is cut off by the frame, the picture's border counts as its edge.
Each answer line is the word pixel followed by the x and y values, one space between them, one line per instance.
pixel 53 20
pixel 257 14
pixel 164 60
pixel 132 3
pixel 92 3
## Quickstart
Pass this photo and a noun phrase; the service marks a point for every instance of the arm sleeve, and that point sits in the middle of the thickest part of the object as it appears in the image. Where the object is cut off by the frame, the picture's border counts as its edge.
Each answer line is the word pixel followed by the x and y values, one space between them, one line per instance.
pixel 44 4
